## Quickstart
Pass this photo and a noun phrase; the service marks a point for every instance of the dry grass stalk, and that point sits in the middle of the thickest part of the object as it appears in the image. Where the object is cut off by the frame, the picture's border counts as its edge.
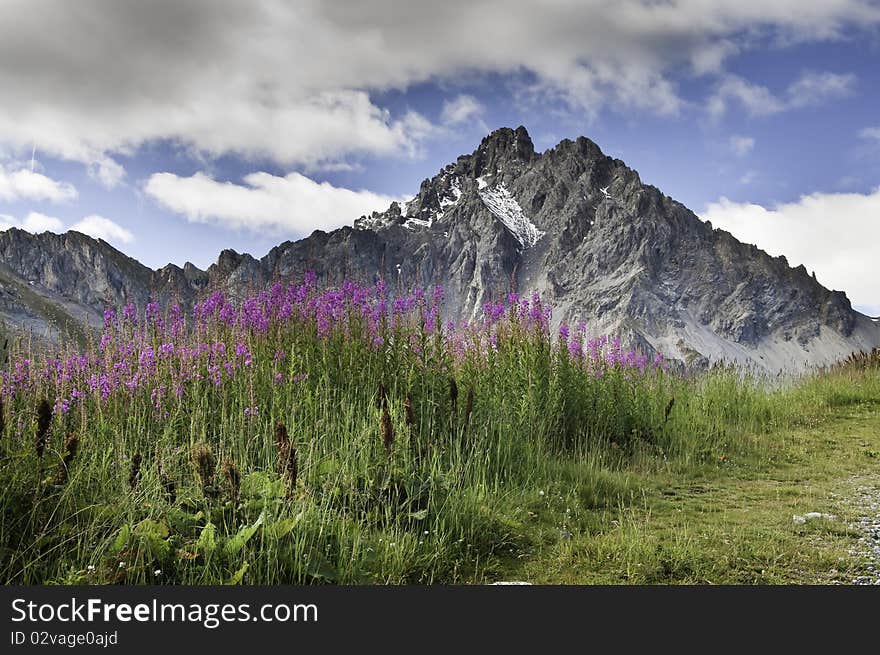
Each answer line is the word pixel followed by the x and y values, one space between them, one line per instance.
pixel 386 428
pixel 468 407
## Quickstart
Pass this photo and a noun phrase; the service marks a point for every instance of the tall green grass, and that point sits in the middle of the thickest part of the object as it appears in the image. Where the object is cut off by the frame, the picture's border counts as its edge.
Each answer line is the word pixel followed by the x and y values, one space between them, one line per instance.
pixel 416 458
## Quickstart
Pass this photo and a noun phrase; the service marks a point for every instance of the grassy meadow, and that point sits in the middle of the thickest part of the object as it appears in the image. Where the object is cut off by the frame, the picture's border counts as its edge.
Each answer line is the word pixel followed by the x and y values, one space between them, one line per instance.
pixel 338 436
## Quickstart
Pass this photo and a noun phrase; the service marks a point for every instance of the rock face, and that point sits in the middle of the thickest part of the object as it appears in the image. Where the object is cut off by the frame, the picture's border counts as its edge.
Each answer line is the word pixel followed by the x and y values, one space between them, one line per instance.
pixel 571 223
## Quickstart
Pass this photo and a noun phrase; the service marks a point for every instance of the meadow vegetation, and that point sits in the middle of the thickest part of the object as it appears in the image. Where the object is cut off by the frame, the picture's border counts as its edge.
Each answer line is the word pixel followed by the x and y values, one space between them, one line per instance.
pixel 340 436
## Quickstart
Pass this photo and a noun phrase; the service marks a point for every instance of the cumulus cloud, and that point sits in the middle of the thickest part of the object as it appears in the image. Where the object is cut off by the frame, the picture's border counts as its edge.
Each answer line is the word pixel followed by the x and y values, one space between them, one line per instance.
pixel 462 109
pixel 833 234
pixel 29 185
pixel 292 81
pixel 293 204
pixel 106 171
pixel 103 228
pixel 93 225
pixel 741 145
pixel 34 222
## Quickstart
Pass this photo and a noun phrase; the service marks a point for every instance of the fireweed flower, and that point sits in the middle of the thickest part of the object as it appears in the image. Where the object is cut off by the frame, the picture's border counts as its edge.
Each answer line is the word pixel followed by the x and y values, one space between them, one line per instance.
pixel 563 332
pixel 129 313
pixel 145 359
pixel 109 318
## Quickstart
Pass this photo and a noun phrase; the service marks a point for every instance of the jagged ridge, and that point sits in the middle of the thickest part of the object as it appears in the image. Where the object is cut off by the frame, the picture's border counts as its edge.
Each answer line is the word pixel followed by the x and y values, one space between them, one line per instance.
pixel 572 223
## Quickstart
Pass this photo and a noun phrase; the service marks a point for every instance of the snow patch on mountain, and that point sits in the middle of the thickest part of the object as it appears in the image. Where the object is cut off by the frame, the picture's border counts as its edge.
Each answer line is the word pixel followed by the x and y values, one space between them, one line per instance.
pixel 453 197
pixel 507 210
pixel 412 222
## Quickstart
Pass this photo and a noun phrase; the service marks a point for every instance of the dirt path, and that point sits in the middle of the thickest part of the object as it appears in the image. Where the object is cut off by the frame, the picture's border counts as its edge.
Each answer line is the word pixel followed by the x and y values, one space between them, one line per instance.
pixel 868 546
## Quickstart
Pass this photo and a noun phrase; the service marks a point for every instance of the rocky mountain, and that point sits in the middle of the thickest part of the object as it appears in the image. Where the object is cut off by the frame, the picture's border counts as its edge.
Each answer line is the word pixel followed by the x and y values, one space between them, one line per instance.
pixel 572 223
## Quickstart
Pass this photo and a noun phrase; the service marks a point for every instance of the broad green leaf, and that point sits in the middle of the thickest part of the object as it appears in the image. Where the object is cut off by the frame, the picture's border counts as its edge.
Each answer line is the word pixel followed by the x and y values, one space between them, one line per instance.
pixel 151 528
pixel 328 467
pixel 320 569
pixel 237 542
pixel 282 528
pixel 207 539
pixel 261 484
pixel 238 575
pixel 121 540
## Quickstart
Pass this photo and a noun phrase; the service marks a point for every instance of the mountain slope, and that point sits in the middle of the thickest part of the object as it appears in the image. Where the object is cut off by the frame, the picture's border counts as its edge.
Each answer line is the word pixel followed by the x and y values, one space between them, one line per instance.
pixel 577 226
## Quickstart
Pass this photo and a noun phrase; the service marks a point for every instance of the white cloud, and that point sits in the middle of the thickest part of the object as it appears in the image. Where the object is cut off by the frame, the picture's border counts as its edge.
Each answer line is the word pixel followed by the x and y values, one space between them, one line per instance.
pixel 103 228
pixel 30 185
pixel 34 222
pixel 93 225
pixel 37 222
pixel 870 133
pixel 811 88
pixel 107 171
pixel 741 145
pixel 833 234
pixel 756 99
pixel 462 109
pixel 291 81
pixel 294 204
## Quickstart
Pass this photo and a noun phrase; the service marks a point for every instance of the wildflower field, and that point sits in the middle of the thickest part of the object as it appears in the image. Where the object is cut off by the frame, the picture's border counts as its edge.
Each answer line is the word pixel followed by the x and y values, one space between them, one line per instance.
pixel 312 435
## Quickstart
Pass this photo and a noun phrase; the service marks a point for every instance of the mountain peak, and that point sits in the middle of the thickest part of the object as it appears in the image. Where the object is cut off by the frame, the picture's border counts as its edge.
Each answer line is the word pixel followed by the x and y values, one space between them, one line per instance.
pixel 503 144
pixel 571 223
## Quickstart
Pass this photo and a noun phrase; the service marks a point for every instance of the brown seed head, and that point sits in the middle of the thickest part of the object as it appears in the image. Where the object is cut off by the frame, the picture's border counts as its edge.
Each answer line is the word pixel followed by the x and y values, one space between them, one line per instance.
pixel 134 473
pixel 233 479
pixel 71 445
pixel 168 484
pixel 205 465
pixel 44 420
pixel 287 464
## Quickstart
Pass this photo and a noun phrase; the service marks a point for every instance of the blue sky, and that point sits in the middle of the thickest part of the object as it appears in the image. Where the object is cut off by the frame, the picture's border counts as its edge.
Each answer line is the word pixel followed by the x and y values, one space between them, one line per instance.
pixel 176 131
